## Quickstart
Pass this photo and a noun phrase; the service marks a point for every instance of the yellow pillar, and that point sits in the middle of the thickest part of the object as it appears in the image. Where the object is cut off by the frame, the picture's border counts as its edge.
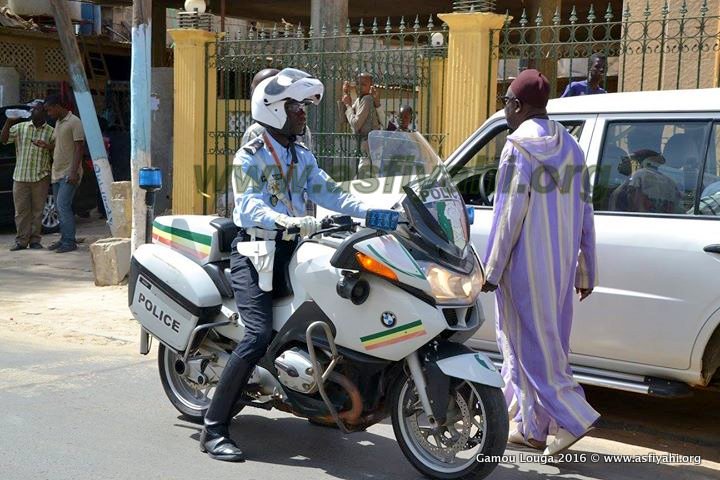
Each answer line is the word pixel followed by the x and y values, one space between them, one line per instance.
pixel 191 98
pixel 471 81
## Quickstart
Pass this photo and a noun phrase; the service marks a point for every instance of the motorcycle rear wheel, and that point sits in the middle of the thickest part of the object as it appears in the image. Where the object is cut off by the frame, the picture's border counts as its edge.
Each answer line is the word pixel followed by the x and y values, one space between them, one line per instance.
pixel 186 397
pixel 476 431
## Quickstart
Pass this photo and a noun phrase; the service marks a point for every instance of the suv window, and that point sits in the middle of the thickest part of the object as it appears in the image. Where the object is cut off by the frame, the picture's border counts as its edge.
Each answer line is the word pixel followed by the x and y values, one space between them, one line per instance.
pixel 477 175
pixel 709 203
pixel 6 151
pixel 650 167
pixel 7 166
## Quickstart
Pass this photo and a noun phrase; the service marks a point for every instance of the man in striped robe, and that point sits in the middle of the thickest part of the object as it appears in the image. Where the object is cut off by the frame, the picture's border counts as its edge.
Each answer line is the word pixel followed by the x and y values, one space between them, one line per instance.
pixel 541 248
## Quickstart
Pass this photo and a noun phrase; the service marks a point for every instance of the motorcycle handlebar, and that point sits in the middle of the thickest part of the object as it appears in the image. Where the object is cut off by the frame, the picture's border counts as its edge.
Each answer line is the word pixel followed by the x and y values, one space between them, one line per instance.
pixel 336 221
pixel 296 230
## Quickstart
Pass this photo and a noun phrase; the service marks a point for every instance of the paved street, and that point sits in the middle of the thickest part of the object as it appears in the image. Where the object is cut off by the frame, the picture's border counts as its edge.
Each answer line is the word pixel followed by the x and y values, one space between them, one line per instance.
pixel 259 110
pixel 79 402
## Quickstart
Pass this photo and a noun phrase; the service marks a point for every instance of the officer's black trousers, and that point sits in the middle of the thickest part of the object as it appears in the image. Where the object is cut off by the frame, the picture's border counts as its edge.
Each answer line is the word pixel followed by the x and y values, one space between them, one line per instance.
pixel 254 304
pixel 255 308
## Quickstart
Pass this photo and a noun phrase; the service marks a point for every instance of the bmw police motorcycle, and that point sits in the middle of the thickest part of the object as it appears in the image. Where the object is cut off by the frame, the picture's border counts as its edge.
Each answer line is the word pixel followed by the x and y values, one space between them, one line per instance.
pixel 370 322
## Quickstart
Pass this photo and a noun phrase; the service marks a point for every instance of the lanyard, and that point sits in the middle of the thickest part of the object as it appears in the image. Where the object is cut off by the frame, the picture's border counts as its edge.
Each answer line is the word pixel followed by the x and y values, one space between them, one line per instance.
pixel 279 165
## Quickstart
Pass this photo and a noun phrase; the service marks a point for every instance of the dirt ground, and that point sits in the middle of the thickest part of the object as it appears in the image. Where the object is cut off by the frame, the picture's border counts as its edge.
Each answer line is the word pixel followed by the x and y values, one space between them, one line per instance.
pixel 52 295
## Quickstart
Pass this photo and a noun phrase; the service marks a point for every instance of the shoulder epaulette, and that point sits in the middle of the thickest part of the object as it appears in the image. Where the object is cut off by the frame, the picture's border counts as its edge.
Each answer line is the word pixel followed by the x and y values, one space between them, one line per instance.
pixel 254 145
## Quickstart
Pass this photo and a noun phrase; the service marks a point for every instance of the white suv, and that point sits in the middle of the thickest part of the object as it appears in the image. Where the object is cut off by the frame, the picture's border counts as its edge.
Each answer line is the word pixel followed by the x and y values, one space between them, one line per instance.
pixel 652 325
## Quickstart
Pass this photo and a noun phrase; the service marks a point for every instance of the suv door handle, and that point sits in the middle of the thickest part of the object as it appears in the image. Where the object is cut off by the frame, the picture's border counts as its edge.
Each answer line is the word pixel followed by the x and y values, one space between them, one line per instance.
pixel 714 248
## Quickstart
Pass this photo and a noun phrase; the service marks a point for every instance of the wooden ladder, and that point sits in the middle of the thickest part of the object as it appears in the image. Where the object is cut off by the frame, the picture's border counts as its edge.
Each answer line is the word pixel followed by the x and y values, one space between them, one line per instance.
pixel 95 68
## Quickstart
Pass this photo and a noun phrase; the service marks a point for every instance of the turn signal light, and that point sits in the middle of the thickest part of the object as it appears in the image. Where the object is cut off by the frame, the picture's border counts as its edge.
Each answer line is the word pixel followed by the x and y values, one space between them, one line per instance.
pixel 371 265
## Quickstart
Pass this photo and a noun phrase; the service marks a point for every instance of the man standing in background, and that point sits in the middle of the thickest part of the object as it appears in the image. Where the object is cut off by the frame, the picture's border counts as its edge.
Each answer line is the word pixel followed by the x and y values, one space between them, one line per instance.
pixel 406 118
pixel 31 179
pixel 67 143
pixel 597 65
pixel 363 117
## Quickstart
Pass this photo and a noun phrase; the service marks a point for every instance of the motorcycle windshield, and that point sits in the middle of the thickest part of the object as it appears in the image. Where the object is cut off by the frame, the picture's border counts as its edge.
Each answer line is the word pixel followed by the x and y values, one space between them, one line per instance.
pixel 433 203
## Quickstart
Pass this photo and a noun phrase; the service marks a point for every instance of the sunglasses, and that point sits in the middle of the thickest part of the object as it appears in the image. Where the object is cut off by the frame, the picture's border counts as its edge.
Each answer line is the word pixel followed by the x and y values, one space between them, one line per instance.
pixel 296 107
pixel 505 99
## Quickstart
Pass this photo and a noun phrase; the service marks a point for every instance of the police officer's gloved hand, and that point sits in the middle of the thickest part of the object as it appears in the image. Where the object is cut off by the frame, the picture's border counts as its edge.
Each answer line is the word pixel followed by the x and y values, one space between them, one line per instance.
pixel 307 225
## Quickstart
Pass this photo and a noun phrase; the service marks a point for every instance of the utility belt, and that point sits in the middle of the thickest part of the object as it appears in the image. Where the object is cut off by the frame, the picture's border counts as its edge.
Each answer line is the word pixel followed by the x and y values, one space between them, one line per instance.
pixel 254 233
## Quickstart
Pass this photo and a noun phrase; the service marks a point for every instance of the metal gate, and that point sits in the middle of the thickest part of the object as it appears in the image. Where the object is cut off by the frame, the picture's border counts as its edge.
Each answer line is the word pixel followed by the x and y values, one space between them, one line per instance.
pixel 646 49
pixel 407 62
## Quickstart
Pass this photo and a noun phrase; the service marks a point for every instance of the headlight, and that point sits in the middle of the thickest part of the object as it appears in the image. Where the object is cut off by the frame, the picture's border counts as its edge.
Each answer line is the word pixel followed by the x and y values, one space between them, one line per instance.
pixel 448 286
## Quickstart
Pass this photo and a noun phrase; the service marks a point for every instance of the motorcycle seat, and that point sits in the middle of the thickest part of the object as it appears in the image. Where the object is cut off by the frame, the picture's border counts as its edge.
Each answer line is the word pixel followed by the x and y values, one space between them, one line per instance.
pixel 219 273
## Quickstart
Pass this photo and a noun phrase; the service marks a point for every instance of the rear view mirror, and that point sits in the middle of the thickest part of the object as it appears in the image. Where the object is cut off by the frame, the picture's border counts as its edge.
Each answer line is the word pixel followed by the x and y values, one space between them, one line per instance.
pixel 470 214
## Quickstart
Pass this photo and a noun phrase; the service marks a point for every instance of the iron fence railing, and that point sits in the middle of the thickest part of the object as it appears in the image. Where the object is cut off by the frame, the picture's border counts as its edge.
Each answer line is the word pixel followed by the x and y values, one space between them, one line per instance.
pixel 406 61
pixel 646 50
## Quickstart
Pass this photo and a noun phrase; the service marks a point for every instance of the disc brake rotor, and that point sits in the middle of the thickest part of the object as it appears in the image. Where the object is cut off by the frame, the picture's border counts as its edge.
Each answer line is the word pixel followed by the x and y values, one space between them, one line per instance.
pixel 449 439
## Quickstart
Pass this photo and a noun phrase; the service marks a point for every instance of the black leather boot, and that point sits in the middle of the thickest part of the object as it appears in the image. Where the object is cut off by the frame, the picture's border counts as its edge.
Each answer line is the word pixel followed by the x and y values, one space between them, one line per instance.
pixel 215 437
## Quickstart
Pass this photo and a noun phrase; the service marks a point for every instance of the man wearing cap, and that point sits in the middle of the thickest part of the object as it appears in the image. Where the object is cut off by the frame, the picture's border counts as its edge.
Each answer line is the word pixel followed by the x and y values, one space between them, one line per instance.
pixel 31 178
pixel 541 247
pixel 647 190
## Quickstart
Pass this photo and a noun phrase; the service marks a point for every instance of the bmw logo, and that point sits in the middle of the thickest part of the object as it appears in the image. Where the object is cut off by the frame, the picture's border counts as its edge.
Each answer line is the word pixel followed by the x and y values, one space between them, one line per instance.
pixel 388 319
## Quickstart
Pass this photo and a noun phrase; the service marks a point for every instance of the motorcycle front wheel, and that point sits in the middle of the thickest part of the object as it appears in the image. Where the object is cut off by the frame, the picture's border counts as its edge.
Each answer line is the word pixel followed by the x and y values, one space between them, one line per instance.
pixel 467 445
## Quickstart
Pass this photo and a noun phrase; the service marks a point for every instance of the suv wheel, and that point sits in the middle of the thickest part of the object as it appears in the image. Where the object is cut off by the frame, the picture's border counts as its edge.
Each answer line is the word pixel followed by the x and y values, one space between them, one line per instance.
pixel 50 218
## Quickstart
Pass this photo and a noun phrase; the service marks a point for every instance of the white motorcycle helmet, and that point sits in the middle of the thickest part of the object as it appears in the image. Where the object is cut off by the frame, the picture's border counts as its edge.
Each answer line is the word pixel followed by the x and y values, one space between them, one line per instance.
pixel 270 96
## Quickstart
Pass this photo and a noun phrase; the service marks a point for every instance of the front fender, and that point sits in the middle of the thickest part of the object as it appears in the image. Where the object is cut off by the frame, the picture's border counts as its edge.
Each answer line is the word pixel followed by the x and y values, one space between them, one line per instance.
pixel 444 360
pixel 474 367
pixel 459 361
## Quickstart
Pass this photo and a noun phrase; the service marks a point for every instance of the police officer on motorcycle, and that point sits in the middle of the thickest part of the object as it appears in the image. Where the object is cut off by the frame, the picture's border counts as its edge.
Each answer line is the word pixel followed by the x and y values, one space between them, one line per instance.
pixel 272 175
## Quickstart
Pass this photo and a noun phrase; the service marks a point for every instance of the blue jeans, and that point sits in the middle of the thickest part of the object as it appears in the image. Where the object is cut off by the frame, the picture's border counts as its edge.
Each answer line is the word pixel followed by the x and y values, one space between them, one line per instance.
pixel 64 193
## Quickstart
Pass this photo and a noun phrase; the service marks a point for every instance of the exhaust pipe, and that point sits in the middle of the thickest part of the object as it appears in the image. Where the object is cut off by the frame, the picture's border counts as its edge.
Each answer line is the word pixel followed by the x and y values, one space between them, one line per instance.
pixel 352 416
pixel 180 366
